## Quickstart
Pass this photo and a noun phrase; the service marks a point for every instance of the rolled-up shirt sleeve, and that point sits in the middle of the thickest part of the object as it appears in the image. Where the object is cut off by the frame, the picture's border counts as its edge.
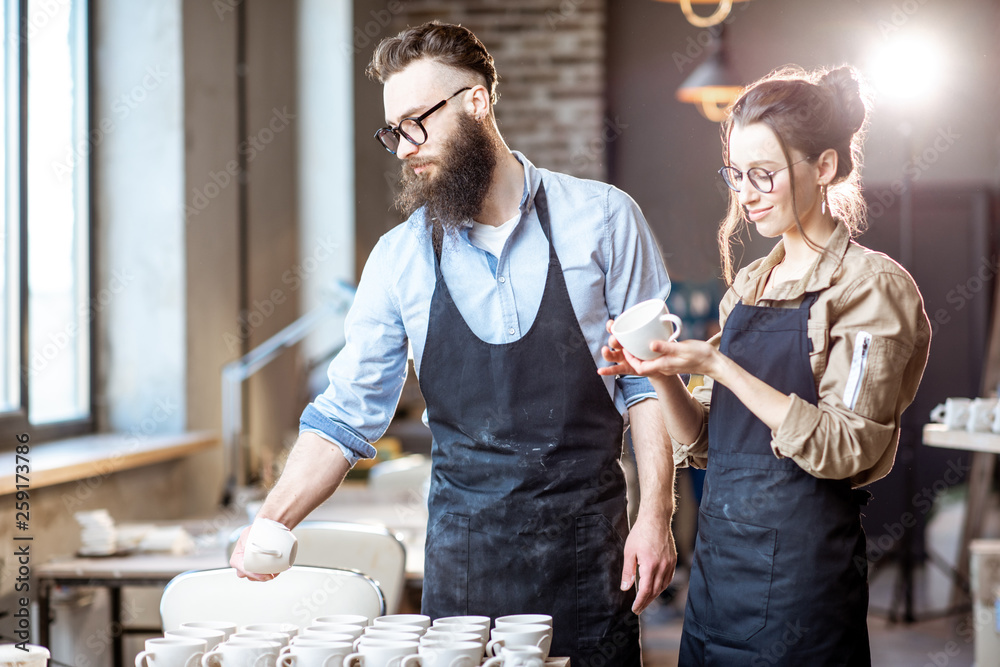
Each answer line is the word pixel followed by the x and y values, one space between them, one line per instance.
pixel 879 326
pixel 367 375
pixel 635 272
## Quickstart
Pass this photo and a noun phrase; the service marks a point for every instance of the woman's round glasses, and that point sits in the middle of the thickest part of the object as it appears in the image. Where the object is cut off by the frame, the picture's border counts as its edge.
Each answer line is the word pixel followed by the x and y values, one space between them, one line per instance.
pixel 760 178
pixel 411 129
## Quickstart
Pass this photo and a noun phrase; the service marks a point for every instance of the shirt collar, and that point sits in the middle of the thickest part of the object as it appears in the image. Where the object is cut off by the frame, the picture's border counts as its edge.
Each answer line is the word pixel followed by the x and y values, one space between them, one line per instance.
pixel 818 278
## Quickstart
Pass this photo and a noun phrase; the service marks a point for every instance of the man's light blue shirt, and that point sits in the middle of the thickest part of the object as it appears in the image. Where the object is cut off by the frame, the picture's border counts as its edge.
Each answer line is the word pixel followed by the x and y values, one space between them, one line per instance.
pixel 610 261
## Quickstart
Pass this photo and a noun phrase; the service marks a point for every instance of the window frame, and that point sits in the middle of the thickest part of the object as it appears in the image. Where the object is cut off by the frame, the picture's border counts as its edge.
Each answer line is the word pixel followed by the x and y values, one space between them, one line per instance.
pixel 17 421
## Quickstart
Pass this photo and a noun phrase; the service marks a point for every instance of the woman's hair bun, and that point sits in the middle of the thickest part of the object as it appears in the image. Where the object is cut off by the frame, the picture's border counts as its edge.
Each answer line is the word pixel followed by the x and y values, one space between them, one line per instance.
pixel 848 95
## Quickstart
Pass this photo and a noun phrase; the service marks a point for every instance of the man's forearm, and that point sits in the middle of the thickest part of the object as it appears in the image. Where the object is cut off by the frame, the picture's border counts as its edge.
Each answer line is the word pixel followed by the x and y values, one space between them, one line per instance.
pixel 654 459
pixel 314 470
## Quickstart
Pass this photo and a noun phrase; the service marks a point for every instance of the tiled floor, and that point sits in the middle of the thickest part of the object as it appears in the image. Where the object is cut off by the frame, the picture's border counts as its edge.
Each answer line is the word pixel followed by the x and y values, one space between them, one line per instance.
pixel 931 643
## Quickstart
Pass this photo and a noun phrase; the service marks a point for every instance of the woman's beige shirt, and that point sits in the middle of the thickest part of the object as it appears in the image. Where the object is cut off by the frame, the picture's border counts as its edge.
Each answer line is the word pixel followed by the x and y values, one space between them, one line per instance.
pixel 864 297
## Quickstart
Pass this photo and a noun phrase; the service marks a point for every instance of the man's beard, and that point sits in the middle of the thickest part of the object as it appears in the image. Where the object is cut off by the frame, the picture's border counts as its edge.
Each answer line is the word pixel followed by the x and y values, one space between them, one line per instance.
pixel 455 194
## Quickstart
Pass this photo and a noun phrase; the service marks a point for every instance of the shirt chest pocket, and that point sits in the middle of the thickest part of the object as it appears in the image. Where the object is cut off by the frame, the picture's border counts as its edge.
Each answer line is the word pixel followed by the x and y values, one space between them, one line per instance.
pixel 819 343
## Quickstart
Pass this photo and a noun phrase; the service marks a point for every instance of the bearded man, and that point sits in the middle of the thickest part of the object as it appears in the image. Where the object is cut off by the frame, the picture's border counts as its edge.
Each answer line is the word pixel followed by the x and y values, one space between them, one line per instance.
pixel 501 279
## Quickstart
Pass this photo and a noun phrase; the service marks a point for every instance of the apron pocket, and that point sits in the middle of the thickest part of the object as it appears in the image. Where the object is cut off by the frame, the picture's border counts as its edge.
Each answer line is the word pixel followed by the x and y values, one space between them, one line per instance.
pixel 600 556
pixel 731 583
pixel 446 567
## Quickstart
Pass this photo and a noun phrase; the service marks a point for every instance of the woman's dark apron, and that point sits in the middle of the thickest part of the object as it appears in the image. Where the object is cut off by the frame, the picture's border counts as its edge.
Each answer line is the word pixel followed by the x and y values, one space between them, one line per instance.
pixel 780 572
pixel 527 497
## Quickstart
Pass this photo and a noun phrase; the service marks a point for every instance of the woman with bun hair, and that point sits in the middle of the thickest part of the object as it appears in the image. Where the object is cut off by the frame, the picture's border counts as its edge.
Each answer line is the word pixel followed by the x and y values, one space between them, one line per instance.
pixel 822 347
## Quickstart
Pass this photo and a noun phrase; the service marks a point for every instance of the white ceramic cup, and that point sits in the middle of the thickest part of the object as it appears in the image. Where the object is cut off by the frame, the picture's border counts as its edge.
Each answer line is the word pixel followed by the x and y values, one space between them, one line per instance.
pixel 343 619
pixel 953 413
pixel 321 638
pixel 354 630
pixel 517 656
pixel 260 635
pixel 24 655
pixel 382 637
pixel 211 636
pixel 643 323
pixel 524 619
pixel 459 654
pixel 227 627
pixel 380 653
pixel 483 630
pixel 981 415
pixel 171 652
pixel 270 548
pixel 245 653
pixel 539 636
pixel 289 629
pixel 395 627
pixel 403 619
pixel 436 636
pixel 325 654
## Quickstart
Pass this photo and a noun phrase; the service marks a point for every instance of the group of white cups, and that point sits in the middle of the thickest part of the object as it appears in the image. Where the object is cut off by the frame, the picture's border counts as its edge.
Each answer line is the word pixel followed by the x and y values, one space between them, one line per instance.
pixel 979 415
pixel 348 640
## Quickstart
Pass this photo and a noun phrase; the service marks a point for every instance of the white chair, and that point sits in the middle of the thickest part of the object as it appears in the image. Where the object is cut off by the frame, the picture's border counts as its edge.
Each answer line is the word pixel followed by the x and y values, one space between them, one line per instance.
pixel 405 477
pixel 297 595
pixel 370 549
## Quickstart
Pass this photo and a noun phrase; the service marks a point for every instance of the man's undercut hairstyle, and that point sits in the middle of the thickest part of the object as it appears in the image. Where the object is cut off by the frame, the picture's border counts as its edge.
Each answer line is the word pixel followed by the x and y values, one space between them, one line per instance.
pixel 445 43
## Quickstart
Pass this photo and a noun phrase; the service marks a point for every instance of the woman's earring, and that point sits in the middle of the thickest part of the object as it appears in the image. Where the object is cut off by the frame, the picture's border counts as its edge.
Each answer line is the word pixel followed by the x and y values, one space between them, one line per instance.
pixel 822 193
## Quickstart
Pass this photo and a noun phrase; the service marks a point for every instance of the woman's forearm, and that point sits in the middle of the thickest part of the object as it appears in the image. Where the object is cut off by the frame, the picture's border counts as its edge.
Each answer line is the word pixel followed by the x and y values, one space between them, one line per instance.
pixel 683 415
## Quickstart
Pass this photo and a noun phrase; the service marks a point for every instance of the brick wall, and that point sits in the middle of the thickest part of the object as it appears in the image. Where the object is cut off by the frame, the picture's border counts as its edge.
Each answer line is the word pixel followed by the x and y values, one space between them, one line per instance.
pixel 550 58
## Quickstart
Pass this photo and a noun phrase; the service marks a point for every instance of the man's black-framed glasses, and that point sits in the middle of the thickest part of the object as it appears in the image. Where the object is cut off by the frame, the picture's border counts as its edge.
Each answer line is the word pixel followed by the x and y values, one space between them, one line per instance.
pixel 760 178
pixel 411 129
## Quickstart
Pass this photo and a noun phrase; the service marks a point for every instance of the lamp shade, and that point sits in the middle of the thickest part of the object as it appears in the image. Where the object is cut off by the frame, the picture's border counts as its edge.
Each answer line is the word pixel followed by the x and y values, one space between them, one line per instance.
pixel 713 85
pixel 718 16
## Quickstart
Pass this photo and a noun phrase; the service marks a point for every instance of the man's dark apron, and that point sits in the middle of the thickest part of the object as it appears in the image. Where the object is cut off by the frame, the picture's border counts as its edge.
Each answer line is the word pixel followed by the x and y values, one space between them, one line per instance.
pixel 779 574
pixel 527 497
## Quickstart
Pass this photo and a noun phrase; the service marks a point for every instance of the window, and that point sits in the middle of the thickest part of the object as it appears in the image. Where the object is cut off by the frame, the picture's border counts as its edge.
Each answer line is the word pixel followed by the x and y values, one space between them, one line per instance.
pixel 47 313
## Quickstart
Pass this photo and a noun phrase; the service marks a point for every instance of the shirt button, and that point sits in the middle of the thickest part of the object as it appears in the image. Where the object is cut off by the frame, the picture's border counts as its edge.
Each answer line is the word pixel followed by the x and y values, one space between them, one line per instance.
pixel 511 331
pixel 502 279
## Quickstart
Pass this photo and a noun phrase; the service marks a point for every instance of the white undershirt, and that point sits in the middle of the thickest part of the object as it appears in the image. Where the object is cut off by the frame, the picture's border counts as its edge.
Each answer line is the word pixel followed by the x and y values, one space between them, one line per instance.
pixel 490 238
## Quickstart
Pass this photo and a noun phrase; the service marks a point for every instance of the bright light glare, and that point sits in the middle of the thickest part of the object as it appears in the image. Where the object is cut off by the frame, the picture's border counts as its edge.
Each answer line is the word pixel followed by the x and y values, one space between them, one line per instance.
pixel 907 69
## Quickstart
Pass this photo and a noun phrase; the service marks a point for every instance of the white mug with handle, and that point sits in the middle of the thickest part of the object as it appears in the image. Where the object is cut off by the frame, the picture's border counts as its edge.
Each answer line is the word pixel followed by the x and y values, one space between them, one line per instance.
pixel 171 652
pixel 644 323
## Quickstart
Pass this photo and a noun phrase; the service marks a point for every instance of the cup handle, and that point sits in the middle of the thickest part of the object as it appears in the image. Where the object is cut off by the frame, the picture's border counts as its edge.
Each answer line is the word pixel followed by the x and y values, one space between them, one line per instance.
pixel 937 414
pixel 354 658
pixel 411 660
pixel 193 660
pixel 140 658
pixel 286 659
pixel 676 321
pixel 206 660
pixel 494 646
pixel 493 662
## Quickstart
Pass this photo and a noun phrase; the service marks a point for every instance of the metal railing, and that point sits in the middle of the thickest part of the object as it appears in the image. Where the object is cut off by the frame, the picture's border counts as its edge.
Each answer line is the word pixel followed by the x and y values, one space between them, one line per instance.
pixel 235 373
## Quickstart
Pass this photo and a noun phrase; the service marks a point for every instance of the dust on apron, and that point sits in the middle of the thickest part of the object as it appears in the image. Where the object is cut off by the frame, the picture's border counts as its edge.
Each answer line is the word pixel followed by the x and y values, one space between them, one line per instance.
pixel 779 574
pixel 527 498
